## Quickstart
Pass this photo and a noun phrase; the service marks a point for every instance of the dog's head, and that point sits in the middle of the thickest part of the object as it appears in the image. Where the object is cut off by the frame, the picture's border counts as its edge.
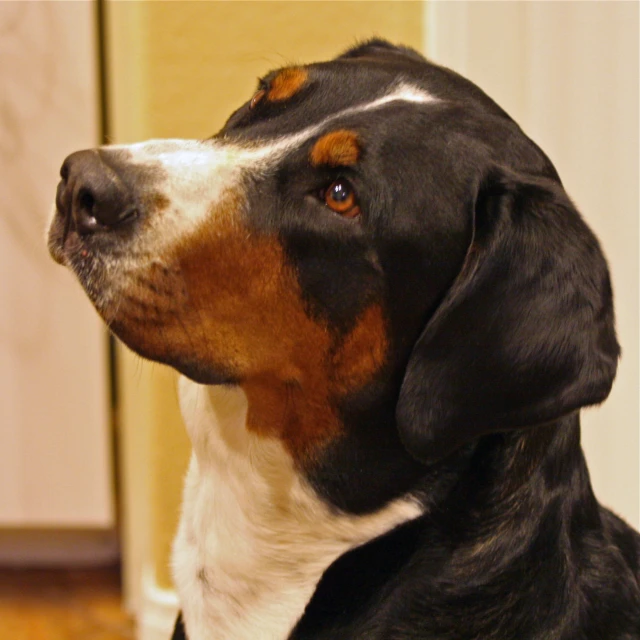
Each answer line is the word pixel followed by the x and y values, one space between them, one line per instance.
pixel 364 233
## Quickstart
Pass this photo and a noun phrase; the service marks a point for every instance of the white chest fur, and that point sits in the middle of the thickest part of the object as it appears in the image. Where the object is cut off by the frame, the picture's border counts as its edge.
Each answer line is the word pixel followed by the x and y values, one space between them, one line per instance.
pixel 254 538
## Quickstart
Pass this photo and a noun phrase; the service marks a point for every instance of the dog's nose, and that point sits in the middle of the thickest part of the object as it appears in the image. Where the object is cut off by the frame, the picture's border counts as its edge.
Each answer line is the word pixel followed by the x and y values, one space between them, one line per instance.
pixel 93 194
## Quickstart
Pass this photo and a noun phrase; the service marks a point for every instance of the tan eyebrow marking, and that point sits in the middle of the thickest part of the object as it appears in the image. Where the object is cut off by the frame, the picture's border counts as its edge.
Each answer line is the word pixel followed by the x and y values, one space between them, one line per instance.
pixel 287 83
pixel 339 148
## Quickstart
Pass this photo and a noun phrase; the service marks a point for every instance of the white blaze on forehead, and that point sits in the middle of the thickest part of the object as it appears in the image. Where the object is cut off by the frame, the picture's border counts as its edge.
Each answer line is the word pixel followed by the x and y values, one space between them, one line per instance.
pixel 197 175
pixel 401 93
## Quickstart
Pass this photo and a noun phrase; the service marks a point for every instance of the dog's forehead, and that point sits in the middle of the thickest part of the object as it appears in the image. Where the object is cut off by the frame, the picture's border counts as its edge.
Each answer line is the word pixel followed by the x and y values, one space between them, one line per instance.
pixel 297 97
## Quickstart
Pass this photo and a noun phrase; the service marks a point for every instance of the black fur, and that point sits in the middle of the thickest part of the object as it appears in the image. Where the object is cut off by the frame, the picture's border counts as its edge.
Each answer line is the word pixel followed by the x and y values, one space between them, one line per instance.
pixel 518 549
pixel 500 317
pixel 525 334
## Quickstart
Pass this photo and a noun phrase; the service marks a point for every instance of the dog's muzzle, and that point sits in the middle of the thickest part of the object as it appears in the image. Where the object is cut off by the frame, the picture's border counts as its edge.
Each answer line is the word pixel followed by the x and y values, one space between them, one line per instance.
pixel 92 199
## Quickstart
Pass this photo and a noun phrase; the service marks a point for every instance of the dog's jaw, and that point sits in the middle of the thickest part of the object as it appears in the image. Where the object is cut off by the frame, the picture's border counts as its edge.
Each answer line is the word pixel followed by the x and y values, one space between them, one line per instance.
pixel 254 538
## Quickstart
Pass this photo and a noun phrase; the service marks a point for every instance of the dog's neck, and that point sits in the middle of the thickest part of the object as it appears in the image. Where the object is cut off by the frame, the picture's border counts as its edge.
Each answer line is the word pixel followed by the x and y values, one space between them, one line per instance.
pixel 511 490
pixel 517 487
pixel 254 538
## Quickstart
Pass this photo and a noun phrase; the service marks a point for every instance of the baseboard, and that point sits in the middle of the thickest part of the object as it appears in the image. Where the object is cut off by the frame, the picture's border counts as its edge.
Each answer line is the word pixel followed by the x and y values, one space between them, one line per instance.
pixel 58 548
pixel 158 611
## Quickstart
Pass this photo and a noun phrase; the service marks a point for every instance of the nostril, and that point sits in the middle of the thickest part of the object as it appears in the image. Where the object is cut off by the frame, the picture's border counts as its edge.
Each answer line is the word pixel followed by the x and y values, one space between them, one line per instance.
pixel 84 211
pixel 86 201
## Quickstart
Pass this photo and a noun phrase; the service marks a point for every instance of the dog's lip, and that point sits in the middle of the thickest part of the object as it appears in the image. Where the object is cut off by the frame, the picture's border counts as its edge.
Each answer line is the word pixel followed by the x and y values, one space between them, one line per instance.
pixel 61 233
pixel 55 242
pixel 57 254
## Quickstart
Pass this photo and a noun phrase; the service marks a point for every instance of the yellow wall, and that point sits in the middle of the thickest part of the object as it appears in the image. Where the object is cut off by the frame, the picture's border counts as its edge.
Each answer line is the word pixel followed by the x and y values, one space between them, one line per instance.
pixel 177 69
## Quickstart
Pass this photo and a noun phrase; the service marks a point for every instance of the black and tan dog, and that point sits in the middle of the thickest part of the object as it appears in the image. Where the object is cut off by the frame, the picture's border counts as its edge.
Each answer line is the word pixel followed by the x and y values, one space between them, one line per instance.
pixel 388 314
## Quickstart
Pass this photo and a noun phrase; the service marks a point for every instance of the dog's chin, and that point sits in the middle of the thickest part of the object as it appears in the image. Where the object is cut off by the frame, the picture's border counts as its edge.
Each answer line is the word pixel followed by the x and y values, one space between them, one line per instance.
pixel 207 373
pixel 199 372
pixel 202 374
pixel 111 310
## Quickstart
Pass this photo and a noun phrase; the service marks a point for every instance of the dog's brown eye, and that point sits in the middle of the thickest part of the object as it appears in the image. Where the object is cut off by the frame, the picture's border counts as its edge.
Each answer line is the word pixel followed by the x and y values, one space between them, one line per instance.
pixel 341 198
pixel 257 98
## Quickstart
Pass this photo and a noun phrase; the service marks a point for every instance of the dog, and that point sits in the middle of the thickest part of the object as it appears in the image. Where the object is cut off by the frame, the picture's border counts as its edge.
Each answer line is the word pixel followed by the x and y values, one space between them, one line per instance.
pixel 387 314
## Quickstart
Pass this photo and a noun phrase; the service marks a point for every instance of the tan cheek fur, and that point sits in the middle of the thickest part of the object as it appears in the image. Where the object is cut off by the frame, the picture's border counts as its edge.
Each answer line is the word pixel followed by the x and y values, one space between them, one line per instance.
pixel 230 300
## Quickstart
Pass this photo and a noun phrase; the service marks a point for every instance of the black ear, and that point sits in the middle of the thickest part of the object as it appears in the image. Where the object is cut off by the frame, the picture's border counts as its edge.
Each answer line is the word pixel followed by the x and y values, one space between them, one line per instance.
pixel 526 332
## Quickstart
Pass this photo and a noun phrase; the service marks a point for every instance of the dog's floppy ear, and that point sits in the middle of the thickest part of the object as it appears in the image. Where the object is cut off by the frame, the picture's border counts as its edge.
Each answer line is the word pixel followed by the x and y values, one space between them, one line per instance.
pixel 526 332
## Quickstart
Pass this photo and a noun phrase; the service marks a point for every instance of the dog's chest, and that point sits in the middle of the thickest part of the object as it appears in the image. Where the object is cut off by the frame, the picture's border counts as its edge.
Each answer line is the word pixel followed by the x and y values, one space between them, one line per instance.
pixel 253 539
pixel 234 574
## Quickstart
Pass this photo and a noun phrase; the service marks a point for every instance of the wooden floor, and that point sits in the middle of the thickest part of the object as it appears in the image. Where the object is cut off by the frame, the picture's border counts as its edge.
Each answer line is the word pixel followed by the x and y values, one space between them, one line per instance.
pixel 62 605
